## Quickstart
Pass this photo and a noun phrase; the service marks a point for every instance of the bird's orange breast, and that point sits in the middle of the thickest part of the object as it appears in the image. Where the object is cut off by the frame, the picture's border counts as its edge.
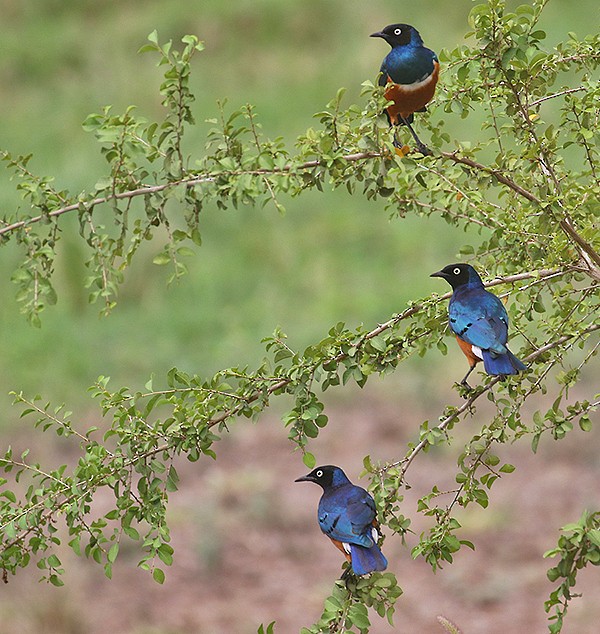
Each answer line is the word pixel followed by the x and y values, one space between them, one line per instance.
pixel 468 351
pixel 340 546
pixel 410 98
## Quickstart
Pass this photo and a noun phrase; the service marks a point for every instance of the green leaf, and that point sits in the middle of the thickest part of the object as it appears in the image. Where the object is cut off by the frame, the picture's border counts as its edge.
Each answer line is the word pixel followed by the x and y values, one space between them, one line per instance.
pixel 158 575
pixel 113 552
pixel 53 561
pixel 358 615
pixel 161 259
pixel 585 423
pixel 309 460
pixel 378 343
pixel 594 536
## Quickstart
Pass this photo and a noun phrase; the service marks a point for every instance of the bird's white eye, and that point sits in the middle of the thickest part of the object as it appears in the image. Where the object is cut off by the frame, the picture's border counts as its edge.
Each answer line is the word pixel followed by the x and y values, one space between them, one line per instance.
pixel 319 473
pixel 456 271
pixel 397 31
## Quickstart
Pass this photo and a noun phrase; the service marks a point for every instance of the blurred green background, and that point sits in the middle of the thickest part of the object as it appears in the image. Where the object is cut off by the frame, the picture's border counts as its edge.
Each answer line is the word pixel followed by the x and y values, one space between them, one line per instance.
pixel 332 256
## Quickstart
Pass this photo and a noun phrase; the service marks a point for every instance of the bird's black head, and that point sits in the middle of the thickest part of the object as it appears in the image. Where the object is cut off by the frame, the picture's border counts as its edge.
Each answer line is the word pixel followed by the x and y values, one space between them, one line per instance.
pixel 399 35
pixel 325 476
pixel 458 275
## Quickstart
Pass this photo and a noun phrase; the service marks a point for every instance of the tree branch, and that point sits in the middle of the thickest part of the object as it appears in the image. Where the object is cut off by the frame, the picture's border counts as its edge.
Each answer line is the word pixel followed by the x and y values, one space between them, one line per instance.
pixel 497 174
pixel 587 253
pixel 409 312
pixel 188 182
pixel 555 95
pixel 406 462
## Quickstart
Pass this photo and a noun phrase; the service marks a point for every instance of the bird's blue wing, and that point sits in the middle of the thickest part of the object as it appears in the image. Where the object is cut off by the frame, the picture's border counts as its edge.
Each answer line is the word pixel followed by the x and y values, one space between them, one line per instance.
pixel 479 318
pixel 347 515
pixel 361 511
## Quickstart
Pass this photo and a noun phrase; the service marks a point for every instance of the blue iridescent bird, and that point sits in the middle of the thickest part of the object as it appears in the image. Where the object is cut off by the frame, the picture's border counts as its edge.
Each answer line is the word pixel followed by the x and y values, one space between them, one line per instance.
pixel 479 321
pixel 410 73
pixel 347 516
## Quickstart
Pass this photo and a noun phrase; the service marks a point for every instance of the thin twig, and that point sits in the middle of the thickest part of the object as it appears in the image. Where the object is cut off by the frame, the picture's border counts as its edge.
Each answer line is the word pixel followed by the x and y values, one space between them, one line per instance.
pixel 187 182
pixel 406 462
pixel 555 95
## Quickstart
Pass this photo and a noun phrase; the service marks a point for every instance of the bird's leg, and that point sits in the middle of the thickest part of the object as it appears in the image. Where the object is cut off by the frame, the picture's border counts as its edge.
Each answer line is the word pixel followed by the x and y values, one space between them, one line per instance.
pixel 464 380
pixel 425 151
pixel 347 576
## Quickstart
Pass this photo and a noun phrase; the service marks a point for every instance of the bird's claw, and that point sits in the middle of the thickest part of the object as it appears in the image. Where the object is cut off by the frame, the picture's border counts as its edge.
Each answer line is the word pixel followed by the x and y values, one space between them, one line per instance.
pixel 425 151
pixel 467 389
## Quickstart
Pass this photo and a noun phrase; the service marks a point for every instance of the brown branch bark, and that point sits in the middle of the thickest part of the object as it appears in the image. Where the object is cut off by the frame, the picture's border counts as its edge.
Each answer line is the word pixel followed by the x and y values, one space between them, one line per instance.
pixel 588 254
pixel 188 182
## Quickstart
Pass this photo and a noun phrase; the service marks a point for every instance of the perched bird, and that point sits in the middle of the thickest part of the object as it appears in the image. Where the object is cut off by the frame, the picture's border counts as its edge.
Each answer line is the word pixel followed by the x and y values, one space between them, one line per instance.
pixel 410 73
pixel 479 321
pixel 347 516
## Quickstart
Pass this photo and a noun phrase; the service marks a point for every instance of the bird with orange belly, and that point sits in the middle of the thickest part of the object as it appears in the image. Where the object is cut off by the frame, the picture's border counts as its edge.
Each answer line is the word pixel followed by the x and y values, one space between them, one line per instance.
pixel 479 321
pixel 410 74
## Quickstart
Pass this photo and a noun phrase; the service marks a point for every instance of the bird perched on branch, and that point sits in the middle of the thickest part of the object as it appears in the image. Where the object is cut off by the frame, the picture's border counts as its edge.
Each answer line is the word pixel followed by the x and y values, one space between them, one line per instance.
pixel 410 73
pixel 479 321
pixel 347 516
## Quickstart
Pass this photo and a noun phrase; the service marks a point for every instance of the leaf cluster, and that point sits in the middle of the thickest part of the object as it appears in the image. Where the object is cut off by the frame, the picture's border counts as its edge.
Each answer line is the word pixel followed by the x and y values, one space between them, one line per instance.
pixel 529 185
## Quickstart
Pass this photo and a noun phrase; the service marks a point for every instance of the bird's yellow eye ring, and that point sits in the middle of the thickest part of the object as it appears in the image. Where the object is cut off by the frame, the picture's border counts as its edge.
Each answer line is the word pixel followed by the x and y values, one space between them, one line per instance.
pixel 456 271
pixel 397 31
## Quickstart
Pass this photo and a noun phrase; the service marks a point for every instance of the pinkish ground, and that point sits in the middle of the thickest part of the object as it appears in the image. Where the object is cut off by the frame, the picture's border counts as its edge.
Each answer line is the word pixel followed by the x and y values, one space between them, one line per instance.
pixel 248 549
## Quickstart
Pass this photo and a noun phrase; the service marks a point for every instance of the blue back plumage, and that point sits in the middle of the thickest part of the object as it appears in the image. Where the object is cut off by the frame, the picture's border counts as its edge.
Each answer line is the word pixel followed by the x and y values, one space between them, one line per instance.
pixel 346 513
pixel 479 318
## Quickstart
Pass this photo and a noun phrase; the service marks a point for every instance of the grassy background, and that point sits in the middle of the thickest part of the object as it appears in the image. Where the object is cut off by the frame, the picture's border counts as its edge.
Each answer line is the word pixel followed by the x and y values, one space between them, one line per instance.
pixel 332 257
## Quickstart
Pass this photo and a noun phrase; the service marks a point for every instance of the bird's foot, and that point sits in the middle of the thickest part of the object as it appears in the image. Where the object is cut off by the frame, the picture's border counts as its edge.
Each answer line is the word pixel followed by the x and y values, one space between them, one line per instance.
pixel 349 579
pixel 425 151
pixel 467 390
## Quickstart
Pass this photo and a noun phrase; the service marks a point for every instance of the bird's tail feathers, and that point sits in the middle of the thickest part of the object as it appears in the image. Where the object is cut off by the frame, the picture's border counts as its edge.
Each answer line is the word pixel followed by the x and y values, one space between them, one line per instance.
pixel 502 363
pixel 366 560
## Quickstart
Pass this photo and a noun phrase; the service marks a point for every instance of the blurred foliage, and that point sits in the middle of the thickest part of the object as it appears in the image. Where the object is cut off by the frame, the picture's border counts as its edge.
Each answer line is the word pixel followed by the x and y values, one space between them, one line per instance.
pixel 578 546
pixel 63 60
pixel 525 185
pixel 334 251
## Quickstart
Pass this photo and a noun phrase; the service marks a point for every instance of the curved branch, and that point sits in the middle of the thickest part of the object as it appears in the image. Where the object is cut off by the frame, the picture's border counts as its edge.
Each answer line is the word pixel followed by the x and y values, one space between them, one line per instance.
pixel 406 462
pixel 497 174
pixel 409 312
pixel 188 182
pixel 587 253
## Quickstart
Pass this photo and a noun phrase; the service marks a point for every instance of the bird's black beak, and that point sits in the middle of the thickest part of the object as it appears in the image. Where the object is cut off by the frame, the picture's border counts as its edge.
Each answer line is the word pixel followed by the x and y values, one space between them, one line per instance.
pixel 377 34
pixel 304 479
pixel 438 274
